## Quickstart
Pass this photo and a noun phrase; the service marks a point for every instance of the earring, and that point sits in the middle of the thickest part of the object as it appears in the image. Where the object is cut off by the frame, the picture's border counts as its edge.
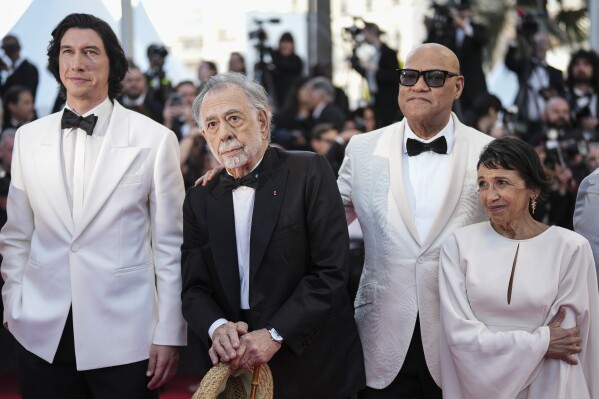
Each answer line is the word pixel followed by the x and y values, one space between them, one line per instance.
pixel 533 205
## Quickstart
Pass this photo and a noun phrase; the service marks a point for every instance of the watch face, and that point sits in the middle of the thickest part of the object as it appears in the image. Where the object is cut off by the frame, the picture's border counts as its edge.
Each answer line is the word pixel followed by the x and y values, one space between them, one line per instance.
pixel 275 335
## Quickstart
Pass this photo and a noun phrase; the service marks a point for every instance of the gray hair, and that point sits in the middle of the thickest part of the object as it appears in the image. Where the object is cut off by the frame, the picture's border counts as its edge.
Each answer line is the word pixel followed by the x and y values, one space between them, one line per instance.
pixel 254 91
pixel 323 85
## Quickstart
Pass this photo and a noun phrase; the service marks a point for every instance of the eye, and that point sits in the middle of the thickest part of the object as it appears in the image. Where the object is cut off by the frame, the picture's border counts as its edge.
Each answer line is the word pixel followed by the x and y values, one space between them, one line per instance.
pixel 482 185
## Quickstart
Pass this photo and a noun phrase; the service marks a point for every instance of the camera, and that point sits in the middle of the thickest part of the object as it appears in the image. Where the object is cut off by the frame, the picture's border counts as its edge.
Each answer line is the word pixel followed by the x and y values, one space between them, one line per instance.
pixel 156 52
pixel 175 100
pixel 441 25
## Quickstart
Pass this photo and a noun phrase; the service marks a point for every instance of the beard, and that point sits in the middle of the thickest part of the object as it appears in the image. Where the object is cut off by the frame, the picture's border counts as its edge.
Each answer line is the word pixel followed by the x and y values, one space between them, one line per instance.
pixel 247 153
pixel 581 79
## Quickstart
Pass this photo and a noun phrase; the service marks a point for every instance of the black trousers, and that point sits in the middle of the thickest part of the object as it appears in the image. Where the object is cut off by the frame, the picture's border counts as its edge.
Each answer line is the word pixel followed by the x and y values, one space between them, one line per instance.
pixel 413 380
pixel 61 380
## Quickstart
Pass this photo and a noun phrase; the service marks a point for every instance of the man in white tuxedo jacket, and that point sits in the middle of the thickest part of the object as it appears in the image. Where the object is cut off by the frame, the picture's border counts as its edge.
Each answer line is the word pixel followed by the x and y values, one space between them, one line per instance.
pixel 410 185
pixel 92 244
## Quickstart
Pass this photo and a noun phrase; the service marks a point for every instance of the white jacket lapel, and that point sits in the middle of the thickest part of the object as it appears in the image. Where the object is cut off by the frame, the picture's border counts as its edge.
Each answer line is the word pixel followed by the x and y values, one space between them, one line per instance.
pixel 398 186
pixel 48 162
pixel 114 159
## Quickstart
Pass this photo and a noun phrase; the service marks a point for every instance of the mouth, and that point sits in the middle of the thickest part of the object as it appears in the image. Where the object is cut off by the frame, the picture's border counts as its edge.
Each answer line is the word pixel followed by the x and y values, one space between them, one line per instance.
pixel 231 151
pixel 419 99
pixel 77 80
pixel 495 208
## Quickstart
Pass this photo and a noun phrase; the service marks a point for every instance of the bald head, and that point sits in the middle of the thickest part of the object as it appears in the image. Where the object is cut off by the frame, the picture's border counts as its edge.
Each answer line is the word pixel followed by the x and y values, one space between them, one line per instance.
pixel 437 53
pixel 428 109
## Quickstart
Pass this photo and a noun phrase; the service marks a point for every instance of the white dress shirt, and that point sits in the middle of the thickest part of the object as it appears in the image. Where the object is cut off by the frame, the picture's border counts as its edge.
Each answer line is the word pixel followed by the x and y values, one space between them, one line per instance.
pixel 427 177
pixel 83 150
pixel 243 209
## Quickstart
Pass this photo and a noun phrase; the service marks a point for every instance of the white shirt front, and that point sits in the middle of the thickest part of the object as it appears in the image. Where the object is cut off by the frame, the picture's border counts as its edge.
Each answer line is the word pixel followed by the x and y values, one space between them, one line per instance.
pixel 89 148
pixel 427 175
pixel 243 209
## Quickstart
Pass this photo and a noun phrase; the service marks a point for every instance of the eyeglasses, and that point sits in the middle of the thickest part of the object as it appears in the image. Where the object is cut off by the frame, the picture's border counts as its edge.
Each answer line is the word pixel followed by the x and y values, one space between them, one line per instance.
pixel 432 78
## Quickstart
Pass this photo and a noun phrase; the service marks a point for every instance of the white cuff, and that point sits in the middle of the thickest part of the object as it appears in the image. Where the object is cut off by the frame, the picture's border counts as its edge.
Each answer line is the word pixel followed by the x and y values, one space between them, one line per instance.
pixel 215 325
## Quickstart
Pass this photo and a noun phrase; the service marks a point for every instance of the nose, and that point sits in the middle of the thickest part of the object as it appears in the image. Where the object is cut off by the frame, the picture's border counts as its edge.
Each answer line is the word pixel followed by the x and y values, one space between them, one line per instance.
pixel 420 84
pixel 224 132
pixel 77 61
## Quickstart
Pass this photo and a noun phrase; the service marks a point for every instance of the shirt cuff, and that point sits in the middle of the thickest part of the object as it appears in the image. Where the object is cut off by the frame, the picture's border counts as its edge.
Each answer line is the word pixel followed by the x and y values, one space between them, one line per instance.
pixel 215 325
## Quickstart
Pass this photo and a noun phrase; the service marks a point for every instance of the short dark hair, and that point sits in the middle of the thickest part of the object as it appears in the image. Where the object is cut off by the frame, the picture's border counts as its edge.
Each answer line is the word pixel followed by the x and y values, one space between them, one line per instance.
pixel 512 153
pixel 114 51
pixel 12 96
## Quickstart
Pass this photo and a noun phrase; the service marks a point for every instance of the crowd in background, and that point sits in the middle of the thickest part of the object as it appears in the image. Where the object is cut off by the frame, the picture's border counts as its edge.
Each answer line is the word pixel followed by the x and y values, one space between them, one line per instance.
pixel 556 114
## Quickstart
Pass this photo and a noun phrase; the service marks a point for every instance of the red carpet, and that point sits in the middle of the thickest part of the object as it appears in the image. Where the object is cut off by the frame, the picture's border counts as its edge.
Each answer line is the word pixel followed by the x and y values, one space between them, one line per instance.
pixel 176 389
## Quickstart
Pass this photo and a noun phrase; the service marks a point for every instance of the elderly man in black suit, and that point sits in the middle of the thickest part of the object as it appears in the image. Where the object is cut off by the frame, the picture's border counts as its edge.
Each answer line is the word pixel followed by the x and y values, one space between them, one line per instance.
pixel 265 253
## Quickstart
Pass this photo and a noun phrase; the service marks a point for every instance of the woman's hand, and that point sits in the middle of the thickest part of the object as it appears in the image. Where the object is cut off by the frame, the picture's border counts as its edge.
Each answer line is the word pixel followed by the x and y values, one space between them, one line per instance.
pixel 563 343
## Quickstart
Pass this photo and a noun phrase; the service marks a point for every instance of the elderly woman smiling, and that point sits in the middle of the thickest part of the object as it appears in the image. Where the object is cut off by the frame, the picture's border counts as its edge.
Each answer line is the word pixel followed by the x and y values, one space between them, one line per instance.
pixel 519 301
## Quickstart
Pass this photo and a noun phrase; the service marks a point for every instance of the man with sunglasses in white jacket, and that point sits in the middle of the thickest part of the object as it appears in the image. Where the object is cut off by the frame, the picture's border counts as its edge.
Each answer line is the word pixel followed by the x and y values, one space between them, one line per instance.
pixel 410 185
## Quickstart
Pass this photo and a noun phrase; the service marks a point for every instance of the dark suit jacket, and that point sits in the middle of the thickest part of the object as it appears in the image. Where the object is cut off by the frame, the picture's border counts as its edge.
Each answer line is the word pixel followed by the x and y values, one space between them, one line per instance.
pixel 387 81
pixel 298 273
pixel 25 75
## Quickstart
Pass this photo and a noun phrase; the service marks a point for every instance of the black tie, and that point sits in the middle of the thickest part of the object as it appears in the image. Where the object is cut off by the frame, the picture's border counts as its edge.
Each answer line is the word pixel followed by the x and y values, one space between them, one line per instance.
pixel 231 183
pixel 415 147
pixel 71 119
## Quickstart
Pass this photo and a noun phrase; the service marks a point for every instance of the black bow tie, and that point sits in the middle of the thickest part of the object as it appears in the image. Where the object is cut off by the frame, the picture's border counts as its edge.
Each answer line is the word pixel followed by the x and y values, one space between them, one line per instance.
pixel 415 147
pixel 71 119
pixel 231 183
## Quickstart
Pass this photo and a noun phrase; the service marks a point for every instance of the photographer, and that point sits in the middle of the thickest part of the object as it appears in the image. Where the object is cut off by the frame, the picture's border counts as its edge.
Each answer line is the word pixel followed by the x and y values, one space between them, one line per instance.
pixel 583 85
pixel 454 28
pixel 177 110
pixel 287 70
pixel 159 84
pixel 537 80
pixel 380 71
pixel 15 70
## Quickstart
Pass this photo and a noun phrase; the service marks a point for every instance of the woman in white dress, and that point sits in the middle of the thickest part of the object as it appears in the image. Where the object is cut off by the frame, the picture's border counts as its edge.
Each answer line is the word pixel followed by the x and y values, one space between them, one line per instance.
pixel 519 300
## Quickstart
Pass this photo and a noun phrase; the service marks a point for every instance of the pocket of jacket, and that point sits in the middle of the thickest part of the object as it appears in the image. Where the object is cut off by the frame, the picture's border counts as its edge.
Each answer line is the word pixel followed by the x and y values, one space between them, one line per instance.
pixel 366 295
pixel 130 269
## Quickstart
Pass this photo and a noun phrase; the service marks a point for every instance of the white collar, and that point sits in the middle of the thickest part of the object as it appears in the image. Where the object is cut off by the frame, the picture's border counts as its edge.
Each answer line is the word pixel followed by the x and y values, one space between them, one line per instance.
pixel 102 111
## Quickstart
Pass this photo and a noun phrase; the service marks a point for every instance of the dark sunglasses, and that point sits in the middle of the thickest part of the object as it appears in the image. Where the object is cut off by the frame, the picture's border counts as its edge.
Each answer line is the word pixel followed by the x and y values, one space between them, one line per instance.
pixel 433 77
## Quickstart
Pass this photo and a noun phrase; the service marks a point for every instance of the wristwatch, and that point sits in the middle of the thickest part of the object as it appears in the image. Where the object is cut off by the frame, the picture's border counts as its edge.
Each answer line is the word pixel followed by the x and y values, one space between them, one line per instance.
pixel 275 336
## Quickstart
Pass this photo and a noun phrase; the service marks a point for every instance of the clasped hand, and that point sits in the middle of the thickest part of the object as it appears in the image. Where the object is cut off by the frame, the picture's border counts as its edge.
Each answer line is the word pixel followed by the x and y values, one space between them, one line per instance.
pixel 232 343
pixel 563 343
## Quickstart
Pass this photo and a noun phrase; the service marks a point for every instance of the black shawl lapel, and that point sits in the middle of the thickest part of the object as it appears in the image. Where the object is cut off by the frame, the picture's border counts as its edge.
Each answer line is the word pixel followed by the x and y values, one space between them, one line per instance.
pixel 272 182
pixel 221 224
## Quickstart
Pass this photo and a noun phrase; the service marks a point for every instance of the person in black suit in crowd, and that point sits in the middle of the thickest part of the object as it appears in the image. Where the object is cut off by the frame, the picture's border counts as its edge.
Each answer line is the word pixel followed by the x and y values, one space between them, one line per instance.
pixel 583 89
pixel 18 107
pixel 136 95
pixel 321 102
pixel 265 267
pixel 381 74
pixel 288 67
pixel 16 70
pixel 538 81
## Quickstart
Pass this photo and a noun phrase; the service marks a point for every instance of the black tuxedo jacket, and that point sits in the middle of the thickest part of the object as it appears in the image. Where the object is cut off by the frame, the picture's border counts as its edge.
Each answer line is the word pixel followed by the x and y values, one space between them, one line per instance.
pixel 298 273
pixel 25 75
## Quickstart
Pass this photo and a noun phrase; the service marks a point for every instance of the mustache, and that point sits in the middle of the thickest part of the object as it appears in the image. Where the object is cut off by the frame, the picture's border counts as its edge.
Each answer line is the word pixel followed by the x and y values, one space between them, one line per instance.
pixel 229 145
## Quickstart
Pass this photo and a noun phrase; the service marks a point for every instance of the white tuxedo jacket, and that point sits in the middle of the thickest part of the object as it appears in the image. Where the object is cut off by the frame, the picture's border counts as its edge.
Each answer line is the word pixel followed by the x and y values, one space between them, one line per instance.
pixel 400 278
pixel 119 268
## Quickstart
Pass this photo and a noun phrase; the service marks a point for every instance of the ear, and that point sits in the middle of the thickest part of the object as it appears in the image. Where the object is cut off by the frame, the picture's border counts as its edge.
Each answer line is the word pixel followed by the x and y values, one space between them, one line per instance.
pixel 459 86
pixel 264 123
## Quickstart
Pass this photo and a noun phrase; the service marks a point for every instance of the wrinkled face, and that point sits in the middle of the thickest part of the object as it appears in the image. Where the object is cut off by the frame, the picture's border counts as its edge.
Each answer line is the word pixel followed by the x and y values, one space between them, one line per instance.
pixel 432 105
pixel 188 93
pixel 504 195
pixel 134 83
pixel 84 65
pixel 558 113
pixel 23 110
pixel 582 70
pixel 236 132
